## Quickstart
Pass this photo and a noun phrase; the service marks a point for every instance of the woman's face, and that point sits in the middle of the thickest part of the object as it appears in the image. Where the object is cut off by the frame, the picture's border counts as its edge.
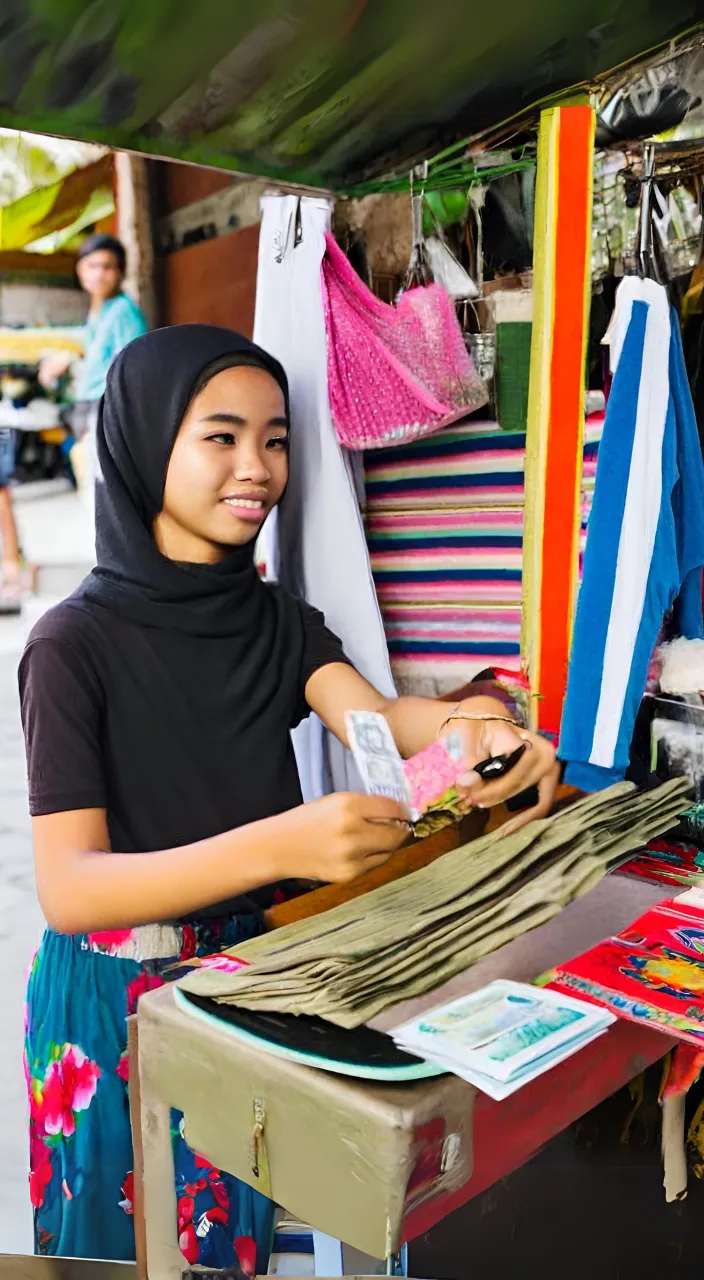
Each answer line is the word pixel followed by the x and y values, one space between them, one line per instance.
pixel 228 467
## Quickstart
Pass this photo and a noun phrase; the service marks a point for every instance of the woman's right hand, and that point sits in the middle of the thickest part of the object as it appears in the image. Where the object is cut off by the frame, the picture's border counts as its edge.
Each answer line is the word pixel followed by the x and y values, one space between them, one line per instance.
pixel 85 888
pixel 346 834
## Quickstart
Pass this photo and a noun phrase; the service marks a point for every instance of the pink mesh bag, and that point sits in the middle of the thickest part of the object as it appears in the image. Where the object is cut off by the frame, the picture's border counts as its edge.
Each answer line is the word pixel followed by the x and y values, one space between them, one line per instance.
pixel 394 373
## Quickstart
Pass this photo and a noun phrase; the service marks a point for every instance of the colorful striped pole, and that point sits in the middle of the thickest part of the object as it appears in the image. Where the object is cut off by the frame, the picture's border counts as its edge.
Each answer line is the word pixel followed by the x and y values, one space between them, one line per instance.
pixel 561 291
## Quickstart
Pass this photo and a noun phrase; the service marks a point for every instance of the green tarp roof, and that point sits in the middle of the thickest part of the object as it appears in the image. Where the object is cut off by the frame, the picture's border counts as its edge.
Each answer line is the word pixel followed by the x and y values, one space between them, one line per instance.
pixel 323 92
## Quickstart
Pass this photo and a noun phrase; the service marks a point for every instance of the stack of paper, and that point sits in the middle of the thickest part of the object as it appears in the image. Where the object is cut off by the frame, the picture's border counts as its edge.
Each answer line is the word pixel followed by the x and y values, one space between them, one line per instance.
pixel 503 1036
pixel 406 937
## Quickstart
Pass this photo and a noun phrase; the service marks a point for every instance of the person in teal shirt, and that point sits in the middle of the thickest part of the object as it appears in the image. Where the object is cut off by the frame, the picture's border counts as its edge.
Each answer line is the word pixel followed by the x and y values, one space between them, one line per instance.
pixel 114 320
pixel 107 331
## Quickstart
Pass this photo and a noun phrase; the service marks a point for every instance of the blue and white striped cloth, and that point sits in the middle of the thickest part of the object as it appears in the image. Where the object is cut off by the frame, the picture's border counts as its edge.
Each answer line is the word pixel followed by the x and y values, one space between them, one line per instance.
pixel 645 541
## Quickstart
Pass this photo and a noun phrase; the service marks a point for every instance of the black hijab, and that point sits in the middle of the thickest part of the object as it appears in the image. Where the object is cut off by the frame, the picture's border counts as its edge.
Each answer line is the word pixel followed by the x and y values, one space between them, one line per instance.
pixel 149 388
pixel 200 670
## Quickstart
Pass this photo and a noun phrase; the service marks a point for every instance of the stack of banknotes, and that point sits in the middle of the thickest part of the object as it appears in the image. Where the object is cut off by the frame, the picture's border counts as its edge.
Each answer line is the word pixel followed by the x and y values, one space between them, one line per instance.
pixel 503 1036
pixel 408 936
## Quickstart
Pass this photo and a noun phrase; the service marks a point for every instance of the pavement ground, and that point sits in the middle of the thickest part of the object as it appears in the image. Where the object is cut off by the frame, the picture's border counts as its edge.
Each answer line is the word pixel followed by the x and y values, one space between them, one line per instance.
pixel 55 535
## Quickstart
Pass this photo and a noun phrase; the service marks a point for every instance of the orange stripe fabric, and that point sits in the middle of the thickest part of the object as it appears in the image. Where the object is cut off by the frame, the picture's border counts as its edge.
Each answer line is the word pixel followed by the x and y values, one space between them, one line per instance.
pixel 560 532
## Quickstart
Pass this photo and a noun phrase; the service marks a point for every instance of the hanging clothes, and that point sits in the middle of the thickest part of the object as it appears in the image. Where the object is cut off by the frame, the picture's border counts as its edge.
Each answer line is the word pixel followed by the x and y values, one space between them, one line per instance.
pixel 317 540
pixel 645 545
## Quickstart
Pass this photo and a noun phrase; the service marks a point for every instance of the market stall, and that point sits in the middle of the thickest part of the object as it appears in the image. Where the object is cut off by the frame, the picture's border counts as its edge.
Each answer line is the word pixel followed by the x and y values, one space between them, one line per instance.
pixel 53 191
pixel 414 489
pixel 450 451
pixel 271 1101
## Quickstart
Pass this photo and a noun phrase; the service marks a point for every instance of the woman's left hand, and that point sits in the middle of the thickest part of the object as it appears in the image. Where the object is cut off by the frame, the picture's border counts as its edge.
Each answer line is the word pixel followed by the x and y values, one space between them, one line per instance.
pixel 537 767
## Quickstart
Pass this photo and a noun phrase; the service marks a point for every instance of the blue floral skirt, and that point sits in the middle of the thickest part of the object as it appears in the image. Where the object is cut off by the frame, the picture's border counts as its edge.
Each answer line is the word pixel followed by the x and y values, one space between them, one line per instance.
pixel 81 990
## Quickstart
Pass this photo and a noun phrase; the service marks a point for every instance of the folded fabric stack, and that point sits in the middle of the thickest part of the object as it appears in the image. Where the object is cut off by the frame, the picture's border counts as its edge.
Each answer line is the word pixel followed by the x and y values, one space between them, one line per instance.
pixel 667 862
pixel 652 973
pixel 405 938
pixel 445 532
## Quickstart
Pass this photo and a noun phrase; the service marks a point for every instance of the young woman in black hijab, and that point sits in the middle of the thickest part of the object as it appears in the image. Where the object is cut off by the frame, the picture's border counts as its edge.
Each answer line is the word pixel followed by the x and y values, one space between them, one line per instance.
pixel 157 703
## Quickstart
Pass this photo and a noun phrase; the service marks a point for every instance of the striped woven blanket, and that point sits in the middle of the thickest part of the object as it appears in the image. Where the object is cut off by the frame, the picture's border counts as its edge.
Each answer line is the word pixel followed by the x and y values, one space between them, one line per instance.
pixel 444 521
pixel 458 467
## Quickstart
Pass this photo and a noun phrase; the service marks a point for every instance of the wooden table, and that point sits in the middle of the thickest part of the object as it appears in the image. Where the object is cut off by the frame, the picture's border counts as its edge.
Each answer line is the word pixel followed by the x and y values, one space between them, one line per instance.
pixel 374 1165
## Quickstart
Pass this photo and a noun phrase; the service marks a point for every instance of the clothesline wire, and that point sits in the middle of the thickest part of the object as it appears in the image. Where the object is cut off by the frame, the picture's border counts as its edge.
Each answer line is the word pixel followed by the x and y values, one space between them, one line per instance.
pixel 455 166
pixel 447 176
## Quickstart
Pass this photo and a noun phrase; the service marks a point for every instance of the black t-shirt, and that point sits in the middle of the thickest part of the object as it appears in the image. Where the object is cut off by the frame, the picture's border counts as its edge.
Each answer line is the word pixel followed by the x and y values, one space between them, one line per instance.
pixel 114 718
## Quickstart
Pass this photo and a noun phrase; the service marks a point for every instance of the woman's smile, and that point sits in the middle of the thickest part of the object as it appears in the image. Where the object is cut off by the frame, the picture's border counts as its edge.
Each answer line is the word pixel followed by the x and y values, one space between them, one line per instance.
pixel 246 507
pixel 230 455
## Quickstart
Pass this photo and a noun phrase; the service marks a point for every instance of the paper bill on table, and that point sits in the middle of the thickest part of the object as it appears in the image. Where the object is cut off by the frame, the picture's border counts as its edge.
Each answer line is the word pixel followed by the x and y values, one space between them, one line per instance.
pixel 472 1020
pixel 507 1032
pixel 498 1091
pixel 376 755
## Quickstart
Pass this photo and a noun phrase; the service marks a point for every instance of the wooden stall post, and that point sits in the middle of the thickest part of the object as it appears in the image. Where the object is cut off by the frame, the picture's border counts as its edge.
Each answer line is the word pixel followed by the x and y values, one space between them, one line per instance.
pixel 134 228
pixel 561 291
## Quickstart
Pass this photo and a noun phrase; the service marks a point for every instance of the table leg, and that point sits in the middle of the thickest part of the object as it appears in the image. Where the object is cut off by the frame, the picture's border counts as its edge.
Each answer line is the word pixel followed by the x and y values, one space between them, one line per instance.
pixel 328 1255
pixel 673 1146
pixel 397 1263
pixel 164 1258
pixel 140 1236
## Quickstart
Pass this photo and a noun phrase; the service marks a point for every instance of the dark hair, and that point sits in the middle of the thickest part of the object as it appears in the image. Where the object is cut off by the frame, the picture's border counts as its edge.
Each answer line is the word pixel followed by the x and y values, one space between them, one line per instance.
pixel 109 244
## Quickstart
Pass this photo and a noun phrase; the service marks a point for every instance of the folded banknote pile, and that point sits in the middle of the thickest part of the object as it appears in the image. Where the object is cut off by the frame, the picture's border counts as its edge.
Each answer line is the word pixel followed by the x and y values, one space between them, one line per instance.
pixel 405 938
pixel 503 1036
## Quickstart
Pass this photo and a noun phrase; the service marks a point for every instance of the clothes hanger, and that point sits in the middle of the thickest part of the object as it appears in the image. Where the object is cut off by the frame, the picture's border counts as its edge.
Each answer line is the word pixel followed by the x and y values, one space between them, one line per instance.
pixel 418 272
pixel 647 265
pixel 284 244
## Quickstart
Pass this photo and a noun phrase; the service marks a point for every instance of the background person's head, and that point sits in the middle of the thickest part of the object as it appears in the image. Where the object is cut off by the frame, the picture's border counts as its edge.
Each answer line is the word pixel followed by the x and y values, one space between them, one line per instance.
pixel 101 266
